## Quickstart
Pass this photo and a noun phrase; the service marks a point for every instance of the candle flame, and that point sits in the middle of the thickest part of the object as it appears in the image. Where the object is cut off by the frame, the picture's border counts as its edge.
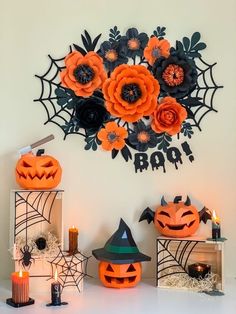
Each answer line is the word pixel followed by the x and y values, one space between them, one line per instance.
pixel 20 273
pixel 55 275
pixel 215 218
pixel 73 227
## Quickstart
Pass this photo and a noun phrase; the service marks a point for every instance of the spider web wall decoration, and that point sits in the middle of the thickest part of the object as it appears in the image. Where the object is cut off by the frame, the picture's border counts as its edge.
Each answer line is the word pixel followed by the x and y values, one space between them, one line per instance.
pixel 74 104
pixel 71 268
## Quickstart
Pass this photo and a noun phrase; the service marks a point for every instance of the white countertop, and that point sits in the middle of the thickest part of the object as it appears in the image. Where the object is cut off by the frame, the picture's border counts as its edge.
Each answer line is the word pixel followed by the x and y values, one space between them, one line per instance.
pixel 145 298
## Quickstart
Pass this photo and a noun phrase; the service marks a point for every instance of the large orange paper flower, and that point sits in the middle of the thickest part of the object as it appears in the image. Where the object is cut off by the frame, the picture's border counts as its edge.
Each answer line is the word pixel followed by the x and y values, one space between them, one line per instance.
pixel 155 49
pixel 112 136
pixel 131 92
pixel 168 116
pixel 83 74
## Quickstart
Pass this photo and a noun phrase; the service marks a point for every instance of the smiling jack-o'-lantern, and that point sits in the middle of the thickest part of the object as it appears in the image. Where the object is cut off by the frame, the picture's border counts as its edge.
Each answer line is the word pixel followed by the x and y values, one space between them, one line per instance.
pixel 120 259
pixel 38 172
pixel 174 219
pixel 119 276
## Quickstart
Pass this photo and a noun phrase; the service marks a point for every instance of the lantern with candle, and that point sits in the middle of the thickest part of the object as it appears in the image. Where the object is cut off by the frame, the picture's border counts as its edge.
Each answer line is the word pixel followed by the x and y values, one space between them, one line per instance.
pixel 216 234
pixel 20 290
pixel 56 292
pixel 199 270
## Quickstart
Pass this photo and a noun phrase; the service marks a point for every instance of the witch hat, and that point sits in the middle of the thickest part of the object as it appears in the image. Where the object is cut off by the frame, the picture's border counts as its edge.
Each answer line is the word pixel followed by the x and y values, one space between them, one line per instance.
pixel 120 248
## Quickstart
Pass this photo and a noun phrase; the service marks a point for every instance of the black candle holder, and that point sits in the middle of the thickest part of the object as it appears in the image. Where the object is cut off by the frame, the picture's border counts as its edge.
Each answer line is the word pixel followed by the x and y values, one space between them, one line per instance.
pixel 59 304
pixel 13 304
pixel 199 270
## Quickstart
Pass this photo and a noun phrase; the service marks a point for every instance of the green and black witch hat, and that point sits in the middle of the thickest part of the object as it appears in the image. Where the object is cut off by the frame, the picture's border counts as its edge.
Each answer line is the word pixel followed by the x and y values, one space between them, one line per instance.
pixel 120 248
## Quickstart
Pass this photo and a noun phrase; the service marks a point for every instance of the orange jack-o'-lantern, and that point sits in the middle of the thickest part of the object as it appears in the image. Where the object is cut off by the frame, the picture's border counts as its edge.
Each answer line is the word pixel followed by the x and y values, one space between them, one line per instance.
pixel 38 172
pixel 176 219
pixel 119 275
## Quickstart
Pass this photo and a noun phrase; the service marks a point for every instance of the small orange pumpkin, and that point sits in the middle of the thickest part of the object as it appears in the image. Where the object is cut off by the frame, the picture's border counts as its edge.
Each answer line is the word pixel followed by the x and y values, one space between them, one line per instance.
pixel 40 172
pixel 176 219
pixel 119 275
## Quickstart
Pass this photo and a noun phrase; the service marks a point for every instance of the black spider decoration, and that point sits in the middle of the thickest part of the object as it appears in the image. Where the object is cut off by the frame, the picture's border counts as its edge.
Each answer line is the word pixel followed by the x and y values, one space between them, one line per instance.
pixel 27 258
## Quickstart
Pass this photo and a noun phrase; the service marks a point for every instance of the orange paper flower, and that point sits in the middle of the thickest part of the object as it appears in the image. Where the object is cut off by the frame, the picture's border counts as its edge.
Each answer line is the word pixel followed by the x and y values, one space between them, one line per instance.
pixel 168 116
pixel 112 136
pixel 83 74
pixel 156 48
pixel 131 92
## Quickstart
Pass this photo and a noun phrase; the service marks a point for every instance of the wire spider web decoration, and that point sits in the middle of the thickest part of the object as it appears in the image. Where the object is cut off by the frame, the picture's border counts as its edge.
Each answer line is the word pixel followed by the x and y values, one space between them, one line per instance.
pixel 71 268
pixel 63 106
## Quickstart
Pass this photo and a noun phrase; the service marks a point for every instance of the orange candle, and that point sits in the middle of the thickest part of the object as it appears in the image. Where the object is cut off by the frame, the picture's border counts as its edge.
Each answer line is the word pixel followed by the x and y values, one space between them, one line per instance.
pixel 20 287
pixel 73 240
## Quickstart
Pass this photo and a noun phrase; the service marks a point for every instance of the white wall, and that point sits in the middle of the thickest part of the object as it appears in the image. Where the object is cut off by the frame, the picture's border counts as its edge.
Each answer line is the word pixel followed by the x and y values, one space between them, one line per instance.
pixel 100 190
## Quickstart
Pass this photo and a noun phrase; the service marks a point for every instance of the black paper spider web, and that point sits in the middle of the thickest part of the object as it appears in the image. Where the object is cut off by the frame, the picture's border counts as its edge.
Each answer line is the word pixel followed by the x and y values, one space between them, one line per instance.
pixel 204 91
pixel 62 116
pixel 199 104
pixel 37 208
pixel 71 268
pixel 175 262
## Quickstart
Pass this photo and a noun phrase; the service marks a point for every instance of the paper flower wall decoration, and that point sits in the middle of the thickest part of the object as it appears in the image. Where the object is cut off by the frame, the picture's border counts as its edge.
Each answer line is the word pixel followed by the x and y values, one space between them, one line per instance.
pixel 131 93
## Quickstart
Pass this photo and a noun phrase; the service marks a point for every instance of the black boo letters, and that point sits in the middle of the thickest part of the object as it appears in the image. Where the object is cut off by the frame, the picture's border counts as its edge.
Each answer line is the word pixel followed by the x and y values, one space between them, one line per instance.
pixel 157 159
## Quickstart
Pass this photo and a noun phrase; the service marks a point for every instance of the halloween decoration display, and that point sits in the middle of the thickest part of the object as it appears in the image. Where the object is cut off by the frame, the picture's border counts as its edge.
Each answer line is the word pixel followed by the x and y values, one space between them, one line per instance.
pixel 71 268
pixel 130 93
pixel 176 219
pixel 40 172
pixel 120 259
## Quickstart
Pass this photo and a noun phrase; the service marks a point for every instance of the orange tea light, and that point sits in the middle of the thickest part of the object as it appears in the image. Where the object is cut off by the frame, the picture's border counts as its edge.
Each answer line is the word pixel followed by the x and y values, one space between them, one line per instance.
pixel 73 240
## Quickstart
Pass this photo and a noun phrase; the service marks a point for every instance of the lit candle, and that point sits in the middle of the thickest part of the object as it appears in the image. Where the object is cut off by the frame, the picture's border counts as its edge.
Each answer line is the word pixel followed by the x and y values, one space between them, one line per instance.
pixel 20 287
pixel 215 226
pixel 73 240
pixel 56 291
pixel 199 270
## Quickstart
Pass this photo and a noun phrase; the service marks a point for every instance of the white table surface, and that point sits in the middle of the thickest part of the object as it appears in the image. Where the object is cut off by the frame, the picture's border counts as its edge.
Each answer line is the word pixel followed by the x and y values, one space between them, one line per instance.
pixel 145 298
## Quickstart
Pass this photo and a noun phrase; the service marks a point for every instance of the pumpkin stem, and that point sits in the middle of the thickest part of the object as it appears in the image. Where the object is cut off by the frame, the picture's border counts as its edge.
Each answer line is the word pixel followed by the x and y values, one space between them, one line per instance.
pixel 40 152
pixel 177 199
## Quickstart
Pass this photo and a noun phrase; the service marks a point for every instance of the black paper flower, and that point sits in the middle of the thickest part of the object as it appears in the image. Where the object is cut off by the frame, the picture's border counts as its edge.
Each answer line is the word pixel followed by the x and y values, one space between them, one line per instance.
pixel 134 42
pixel 143 137
pixel 177 74
pixel 113 54
pixel 90 113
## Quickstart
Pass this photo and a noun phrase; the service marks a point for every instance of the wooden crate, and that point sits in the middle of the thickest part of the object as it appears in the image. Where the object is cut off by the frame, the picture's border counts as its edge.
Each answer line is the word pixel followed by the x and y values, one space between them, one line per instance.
pixel 174 256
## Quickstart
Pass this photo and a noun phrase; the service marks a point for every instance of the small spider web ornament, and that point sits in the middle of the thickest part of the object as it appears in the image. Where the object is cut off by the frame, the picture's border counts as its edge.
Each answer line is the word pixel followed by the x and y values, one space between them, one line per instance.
pixel 71 268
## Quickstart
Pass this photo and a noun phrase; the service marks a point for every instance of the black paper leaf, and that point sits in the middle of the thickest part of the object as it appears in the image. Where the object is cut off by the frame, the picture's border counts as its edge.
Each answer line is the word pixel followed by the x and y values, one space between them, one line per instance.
pixel 92 142
pixel 125 152
pixel 191 101
pixel 191 47
pixel 89 45
pixel 159 32
pixel 114 153
pixel 186 129
pixel 164 141
pixel 114 35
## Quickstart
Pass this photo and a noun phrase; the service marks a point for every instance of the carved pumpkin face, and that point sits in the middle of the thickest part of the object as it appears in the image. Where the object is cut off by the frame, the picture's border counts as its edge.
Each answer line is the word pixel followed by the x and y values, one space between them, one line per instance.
pixel 38 172
pixel 176 220
pixel 119 275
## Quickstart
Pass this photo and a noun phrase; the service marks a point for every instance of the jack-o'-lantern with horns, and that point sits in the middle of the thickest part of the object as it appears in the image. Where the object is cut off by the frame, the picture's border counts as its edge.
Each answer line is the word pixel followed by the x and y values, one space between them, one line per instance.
pixel 177 219
pixel 120 260
pixel 38 172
